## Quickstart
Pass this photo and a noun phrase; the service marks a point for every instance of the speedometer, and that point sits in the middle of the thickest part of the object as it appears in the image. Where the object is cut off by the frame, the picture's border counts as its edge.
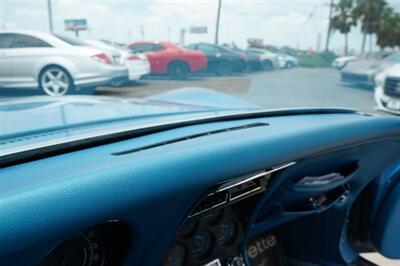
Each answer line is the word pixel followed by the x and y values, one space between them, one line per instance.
pixel 86 249
pixel 227 232
pixel 175 256
pixel 202 244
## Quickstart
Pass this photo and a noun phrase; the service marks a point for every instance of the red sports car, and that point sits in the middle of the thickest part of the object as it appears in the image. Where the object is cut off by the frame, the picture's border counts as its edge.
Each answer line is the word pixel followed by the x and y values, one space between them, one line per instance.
pixel 167 58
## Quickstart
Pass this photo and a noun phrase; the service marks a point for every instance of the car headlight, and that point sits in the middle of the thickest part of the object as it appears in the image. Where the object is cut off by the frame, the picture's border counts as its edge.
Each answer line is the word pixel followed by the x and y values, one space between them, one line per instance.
pixel 380 79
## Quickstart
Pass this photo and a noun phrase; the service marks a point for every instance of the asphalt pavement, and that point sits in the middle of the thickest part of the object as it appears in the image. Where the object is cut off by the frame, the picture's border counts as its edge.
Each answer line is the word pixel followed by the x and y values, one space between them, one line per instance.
pixel 298 87
pixel 305 87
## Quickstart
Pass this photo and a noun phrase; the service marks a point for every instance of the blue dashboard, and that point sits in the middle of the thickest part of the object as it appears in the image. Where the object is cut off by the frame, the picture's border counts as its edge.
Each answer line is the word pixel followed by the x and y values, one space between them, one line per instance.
pixel 138 194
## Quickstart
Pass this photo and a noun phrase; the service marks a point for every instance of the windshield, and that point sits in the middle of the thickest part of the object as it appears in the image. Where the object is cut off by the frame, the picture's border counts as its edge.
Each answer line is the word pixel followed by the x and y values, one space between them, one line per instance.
pixel 181 61
pixel 232 55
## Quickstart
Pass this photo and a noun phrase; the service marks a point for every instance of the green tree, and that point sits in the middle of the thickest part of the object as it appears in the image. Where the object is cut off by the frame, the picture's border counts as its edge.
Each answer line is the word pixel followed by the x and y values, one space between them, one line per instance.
pixel 343 19
pixel 369 13
pixel 389 29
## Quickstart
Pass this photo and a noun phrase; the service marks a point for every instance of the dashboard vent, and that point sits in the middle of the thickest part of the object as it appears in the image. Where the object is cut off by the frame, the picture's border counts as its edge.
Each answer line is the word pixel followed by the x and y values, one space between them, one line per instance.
pixel 236 190
pixel 194 136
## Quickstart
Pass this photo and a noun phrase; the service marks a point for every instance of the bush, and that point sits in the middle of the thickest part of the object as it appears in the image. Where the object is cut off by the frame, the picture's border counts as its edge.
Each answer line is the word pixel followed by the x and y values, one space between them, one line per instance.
pixel 306 59
pixel 323 59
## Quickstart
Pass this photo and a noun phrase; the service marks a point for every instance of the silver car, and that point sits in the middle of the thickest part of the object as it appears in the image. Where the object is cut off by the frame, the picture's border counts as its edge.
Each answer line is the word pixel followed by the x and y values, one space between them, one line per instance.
pixel 137 64
pixel 363 71
pixel 54 64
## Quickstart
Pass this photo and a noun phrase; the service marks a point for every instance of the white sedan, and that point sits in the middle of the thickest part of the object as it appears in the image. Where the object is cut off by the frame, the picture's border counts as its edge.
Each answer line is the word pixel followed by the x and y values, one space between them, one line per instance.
pixel 137 64
pixel 269 60
pixel 387 90
pixel 53 64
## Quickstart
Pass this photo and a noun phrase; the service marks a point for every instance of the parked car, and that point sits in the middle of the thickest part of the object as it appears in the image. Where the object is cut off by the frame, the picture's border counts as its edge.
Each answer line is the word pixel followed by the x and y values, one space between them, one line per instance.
pixel 269 60
pixel 387 90
pixel 253 60
pixel 287 61
pixel 168 58
pixel 137 64
pixel 41 60
pixel 363 71
pixel 340 62
pixel 221 60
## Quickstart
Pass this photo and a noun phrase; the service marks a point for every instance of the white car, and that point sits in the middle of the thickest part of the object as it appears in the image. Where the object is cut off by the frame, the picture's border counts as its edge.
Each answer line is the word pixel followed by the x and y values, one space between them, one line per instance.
pixel 137 64
pixel 269 60
pixel 340 62
pixel 51 63
pixel 387 90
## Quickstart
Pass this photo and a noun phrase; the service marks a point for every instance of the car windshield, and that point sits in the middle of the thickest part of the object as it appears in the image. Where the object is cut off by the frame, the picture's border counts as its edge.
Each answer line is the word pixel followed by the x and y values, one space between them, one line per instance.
pixel 178 62
pixel 232 55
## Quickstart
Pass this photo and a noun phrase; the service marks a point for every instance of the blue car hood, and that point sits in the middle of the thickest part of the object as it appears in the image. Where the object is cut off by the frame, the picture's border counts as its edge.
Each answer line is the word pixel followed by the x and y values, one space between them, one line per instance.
pixel 27 119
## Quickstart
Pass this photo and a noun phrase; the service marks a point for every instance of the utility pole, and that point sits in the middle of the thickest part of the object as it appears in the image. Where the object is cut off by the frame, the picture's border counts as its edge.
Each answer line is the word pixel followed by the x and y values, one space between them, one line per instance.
pixel 318 48
pixel 217 26
pixel 50 15
pixel 328 35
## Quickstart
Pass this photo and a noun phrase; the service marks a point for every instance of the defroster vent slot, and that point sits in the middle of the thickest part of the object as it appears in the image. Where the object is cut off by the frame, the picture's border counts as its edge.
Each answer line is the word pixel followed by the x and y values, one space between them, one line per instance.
pixel 194 136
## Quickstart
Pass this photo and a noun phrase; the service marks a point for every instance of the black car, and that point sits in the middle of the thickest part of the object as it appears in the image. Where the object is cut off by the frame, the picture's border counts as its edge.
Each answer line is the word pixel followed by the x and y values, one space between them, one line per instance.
pixel 221 60
pixel 253 60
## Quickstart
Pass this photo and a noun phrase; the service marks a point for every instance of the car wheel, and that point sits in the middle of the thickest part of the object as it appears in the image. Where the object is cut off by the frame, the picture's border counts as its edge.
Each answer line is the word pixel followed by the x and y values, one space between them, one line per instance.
pixel 289 65
pixel 55 81
pixel 267 65
pixel 178 70
pixel 224 68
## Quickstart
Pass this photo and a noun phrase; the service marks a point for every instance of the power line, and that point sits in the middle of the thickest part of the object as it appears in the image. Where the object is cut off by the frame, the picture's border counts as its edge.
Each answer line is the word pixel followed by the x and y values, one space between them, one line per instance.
pixel 309 17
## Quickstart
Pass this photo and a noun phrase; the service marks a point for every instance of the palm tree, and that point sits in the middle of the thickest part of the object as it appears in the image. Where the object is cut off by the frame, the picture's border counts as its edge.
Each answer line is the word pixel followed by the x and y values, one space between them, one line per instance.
pixel 369 12
pixel 389 29
pixel 343 20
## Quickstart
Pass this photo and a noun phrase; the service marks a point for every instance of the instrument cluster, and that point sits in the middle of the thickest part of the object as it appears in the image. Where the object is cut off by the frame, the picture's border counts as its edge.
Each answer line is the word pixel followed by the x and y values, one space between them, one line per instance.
pixel 210 239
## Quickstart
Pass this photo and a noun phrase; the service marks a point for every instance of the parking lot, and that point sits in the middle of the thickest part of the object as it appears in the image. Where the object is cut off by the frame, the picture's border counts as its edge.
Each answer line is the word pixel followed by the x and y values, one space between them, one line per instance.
pixel 299 87
pixel 276 89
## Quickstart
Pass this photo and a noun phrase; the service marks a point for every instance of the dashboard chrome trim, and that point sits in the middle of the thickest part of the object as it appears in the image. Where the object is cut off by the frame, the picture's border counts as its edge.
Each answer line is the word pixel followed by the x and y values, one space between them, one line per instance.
pixel 236 182
pixel 233 184
pixel 212 207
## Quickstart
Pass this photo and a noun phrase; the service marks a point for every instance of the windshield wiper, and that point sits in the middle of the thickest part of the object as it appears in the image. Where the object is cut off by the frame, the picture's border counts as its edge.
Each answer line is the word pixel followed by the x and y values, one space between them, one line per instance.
pixel 47 148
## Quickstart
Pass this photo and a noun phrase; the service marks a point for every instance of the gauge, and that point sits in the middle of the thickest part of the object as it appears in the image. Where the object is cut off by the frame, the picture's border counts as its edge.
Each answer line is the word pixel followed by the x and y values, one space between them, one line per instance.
pixel 202 244
pixel 175 256
pixel 84 250
pixel 187 228
pixel 227 232
pixel 212 217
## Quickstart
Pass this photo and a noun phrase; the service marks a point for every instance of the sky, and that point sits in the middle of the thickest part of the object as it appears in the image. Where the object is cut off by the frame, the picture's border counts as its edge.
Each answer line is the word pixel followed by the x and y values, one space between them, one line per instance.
pixel 296 23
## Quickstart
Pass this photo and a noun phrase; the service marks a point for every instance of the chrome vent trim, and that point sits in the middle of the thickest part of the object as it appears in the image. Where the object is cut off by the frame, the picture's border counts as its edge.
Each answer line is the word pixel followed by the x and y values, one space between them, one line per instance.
pixel 245 179
pixel 236 189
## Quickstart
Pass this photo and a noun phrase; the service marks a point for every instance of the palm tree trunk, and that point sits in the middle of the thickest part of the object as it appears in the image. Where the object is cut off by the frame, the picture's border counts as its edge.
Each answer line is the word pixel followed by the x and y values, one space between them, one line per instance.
pixel 346 43
pixel 363 42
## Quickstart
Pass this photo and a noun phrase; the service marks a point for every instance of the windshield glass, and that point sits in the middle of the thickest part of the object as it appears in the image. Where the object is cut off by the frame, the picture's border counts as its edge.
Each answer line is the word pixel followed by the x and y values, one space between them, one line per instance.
pixel 230 55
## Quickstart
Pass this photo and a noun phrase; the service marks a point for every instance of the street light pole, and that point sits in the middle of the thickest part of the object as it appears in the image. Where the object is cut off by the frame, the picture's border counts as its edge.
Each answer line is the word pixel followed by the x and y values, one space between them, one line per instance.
pixel 217 26
pixel 50 15
pixel 328 35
